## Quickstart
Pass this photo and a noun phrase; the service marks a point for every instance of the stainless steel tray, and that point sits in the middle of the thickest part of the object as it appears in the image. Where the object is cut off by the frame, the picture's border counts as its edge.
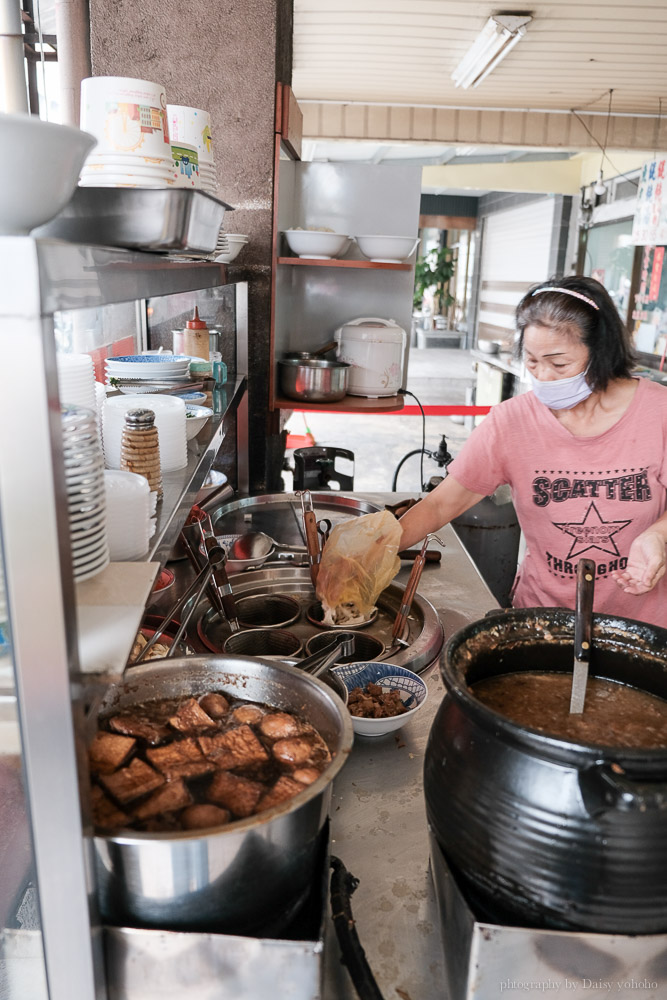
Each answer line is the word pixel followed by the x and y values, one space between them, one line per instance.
pixel 424 634
pixel 158 219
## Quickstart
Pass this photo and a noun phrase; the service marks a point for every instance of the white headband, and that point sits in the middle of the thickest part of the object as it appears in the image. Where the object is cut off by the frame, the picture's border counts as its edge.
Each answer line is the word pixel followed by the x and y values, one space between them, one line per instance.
pixel 569 291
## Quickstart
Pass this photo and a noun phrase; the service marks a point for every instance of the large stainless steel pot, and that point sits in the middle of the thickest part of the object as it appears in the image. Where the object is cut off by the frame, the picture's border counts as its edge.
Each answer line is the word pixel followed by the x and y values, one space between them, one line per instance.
pixel 542 830
pixel 314 380
pixel 237 878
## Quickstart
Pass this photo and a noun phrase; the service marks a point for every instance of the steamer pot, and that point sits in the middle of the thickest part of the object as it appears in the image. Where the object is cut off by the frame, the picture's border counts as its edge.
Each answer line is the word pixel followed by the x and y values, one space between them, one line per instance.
pixel 234 878
pixel 544 831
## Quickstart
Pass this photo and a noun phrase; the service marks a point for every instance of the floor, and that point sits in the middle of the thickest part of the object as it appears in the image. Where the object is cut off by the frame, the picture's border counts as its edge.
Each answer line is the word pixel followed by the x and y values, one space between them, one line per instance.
pixel 436 376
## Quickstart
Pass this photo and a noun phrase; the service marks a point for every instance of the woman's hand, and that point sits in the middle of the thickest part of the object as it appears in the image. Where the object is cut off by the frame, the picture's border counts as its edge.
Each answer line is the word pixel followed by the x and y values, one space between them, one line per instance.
pixel 646 563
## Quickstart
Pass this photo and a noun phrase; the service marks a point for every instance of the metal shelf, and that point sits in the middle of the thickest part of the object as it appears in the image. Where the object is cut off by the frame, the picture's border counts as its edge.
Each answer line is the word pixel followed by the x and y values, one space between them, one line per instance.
pixel 180 488
pixel 64 275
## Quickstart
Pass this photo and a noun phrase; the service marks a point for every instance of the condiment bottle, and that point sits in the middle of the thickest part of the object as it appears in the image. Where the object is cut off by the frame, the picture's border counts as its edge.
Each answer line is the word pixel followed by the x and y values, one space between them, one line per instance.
pixel 140 448
pixel 195 337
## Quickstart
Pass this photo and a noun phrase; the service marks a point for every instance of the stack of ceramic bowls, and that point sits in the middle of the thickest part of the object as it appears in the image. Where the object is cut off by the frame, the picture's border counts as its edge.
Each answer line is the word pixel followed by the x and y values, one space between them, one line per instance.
pixel 229 246
pixel 185 166
pixel 84 483
pixel 170 417
pixel 76 380
pixel 162 367
pixel 129 524
pixel 129 120
pixel 191 127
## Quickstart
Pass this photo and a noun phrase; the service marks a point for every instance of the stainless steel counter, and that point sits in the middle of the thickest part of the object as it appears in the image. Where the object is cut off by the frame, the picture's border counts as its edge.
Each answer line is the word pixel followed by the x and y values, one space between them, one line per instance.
pixel 378 819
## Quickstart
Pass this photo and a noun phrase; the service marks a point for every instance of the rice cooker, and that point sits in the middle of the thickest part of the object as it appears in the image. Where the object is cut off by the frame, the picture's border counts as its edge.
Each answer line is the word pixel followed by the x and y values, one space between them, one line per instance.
pixel 375 348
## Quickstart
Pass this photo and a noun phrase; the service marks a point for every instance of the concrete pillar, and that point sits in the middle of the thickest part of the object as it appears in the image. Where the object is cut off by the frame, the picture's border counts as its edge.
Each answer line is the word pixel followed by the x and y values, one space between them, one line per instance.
pixel 226 57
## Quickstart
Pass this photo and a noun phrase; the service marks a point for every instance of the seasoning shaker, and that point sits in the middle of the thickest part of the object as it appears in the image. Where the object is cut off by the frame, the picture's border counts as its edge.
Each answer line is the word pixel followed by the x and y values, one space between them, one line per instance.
pixel 140 448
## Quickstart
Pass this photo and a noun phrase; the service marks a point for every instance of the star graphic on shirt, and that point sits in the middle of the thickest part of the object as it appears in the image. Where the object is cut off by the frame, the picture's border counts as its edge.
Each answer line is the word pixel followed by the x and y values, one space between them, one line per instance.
pixel 592 533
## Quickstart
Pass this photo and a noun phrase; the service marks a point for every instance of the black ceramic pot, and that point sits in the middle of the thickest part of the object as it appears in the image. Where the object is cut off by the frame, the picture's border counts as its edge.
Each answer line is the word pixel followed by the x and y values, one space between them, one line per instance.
pixel 550 833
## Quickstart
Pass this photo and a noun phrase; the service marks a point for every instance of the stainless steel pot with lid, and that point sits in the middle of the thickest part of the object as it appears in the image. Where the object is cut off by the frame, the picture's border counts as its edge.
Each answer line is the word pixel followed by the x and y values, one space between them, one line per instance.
pixel 234 877
pixel 544 831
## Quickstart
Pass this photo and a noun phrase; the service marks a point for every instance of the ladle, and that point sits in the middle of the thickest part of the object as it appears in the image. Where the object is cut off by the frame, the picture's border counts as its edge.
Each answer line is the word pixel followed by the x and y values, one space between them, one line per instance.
pixel 400 621
pixel 583 631
pixel 256 547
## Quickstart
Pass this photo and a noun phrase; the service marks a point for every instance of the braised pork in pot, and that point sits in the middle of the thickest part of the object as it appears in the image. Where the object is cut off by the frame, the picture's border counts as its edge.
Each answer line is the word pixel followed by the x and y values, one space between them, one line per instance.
pixel 187 763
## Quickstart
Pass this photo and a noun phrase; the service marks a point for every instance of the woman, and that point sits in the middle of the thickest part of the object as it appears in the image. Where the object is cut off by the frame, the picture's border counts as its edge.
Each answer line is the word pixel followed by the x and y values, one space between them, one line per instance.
pixel 585 455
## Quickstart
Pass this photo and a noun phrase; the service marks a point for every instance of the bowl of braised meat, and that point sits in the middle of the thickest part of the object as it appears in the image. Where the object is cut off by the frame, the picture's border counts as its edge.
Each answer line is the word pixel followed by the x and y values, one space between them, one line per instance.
pixel 211 781
pixel 381 697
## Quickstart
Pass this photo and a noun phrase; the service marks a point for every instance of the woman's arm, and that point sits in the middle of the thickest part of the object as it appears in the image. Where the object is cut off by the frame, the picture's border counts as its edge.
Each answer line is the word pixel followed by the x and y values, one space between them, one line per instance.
pixel 442 505
pixel 646 560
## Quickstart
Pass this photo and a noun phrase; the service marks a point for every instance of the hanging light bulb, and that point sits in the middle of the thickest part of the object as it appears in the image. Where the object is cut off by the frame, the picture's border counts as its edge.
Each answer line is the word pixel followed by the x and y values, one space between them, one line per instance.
pixel 599 187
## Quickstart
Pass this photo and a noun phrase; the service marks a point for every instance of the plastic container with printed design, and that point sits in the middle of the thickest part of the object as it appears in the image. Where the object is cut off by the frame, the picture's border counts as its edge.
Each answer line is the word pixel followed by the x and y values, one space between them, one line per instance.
pixel 195 338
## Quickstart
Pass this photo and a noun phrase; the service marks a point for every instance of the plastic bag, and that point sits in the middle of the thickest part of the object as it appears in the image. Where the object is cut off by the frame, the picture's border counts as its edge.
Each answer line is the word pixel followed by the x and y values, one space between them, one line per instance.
pixel 359 560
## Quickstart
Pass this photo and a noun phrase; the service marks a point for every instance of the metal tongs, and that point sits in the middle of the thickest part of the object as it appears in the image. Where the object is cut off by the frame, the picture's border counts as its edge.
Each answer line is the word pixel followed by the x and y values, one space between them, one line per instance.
pixel 311 532
pixel 194 592
pixel 219 588
pixel 583 632
pixel 397 640
pixel 319 662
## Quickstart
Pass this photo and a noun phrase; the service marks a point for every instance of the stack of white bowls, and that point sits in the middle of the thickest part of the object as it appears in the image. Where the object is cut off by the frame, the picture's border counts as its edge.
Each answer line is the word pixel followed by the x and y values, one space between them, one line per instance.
pixel 128 118
pixel 170 417
pixel 129 524
pixel 191 127
pixel 84 484
pixel 229 246
pixel 76 380
pixel 185 166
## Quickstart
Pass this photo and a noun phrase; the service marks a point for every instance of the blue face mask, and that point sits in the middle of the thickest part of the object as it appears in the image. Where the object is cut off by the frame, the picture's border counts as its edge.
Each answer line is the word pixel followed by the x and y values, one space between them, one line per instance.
pixel 562 393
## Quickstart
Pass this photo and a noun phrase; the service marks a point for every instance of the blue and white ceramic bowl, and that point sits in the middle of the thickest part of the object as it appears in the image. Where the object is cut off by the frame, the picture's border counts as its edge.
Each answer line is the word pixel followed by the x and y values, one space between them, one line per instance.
pixel 387 675
pixel 192 398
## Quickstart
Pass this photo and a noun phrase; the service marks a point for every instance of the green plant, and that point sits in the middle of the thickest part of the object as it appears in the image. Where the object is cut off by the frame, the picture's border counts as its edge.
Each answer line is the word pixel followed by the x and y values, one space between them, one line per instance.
pixel 434 270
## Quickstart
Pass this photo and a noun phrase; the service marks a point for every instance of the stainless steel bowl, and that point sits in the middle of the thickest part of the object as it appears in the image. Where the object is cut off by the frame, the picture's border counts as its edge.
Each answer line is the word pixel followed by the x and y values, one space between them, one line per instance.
pixel 229 878
pixel 315 381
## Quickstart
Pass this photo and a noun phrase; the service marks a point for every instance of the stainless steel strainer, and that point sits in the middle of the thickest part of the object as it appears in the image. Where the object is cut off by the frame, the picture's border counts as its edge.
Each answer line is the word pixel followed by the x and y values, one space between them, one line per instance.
pixel 267 610
pixel 263 642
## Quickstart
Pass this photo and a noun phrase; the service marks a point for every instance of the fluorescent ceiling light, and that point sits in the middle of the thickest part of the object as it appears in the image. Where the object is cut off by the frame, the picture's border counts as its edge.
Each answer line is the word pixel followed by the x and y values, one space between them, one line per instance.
pixel 498 37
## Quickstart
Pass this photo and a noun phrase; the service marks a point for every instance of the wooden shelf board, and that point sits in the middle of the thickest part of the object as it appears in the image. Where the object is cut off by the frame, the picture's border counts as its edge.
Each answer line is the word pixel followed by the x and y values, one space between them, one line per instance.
pixel 349 404
pixel 362 264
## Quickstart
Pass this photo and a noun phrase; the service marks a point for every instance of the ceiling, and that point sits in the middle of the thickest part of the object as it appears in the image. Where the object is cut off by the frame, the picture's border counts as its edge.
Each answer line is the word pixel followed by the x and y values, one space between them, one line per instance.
pixel 393 52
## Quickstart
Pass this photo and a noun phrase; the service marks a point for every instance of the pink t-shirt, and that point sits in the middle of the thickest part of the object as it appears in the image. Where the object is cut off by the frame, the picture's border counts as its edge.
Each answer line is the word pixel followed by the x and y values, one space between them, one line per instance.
pixel 575 497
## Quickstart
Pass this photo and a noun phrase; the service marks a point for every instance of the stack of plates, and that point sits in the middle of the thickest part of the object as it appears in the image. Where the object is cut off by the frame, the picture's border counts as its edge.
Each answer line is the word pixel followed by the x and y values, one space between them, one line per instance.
pixel 170 417
pixel 76 379
pixel 129 524
pixel 84 483
pixel 163 368
pixel 229 246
